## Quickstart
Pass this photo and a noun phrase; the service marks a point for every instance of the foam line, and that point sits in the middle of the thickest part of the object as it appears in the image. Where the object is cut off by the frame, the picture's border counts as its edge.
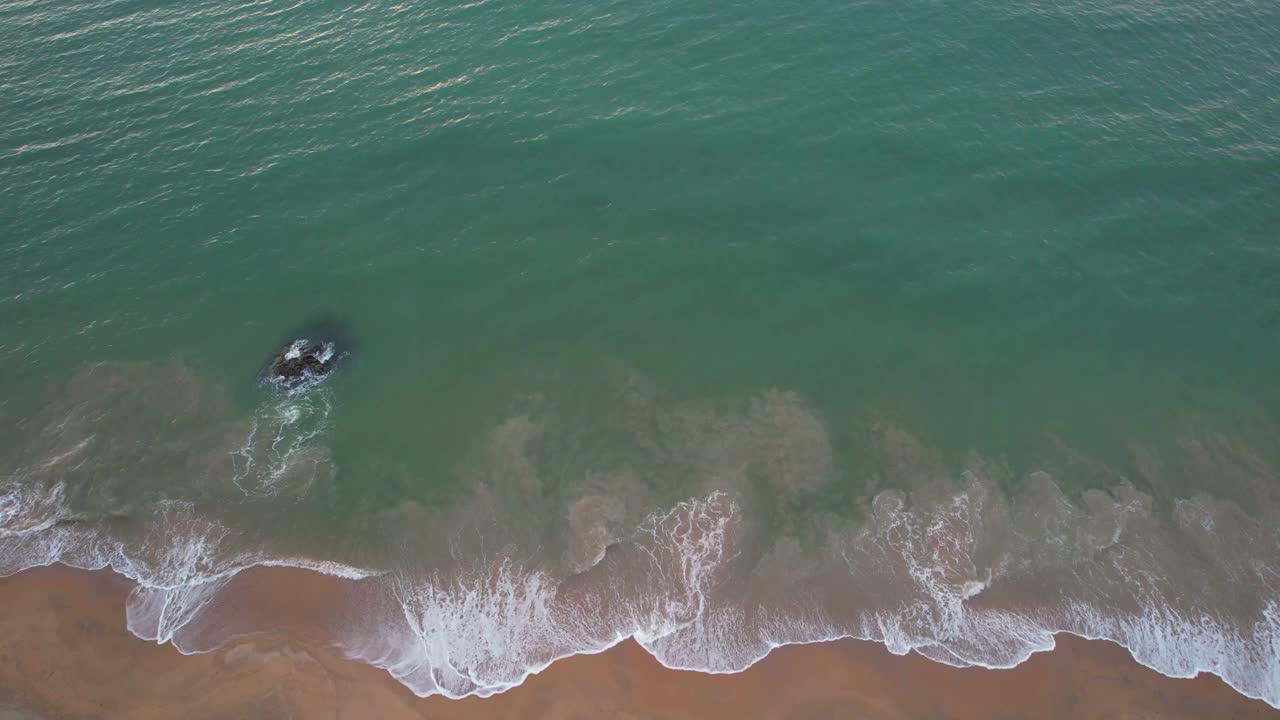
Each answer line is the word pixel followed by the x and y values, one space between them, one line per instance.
pixel 485 630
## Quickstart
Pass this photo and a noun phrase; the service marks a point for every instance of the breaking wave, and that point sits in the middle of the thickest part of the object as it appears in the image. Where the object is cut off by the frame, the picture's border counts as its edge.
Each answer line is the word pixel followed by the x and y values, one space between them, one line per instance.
pixel 963 577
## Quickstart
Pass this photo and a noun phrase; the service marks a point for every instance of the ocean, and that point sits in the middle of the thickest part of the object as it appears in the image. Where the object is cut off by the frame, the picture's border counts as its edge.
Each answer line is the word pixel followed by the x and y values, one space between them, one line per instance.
pixel 719 326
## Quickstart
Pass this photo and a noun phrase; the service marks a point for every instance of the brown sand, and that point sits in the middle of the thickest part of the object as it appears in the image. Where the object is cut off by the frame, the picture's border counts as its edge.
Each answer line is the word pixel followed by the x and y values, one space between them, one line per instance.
pixel 65 653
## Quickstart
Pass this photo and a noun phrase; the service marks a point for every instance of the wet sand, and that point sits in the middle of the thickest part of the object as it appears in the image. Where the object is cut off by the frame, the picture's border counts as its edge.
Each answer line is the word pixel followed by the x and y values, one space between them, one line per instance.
pixel 65 653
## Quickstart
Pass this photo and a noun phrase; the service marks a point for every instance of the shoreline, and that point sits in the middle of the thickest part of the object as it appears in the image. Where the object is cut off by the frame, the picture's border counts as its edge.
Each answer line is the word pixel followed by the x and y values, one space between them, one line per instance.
pixel 63 642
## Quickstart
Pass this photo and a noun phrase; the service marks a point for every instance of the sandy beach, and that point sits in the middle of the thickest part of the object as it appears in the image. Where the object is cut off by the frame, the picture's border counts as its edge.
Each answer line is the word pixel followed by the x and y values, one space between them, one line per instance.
pixel 65 653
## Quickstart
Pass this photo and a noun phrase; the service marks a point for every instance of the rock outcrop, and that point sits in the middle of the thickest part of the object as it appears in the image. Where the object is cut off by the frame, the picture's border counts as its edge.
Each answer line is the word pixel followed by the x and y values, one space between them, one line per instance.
pixel 303 360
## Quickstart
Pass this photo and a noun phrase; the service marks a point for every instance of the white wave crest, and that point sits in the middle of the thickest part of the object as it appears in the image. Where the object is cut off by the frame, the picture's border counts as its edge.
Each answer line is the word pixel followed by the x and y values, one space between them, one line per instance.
pixel 487 630
pixel 179 565
pixel 962 577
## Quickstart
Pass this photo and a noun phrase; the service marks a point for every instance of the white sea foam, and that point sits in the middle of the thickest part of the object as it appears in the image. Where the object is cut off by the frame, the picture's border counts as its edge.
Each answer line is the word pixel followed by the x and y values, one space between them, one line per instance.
pixel 475 635
pixel 279 450
pixel 1101 569
pixel 488 629
pixel 27 509
pixel 180 564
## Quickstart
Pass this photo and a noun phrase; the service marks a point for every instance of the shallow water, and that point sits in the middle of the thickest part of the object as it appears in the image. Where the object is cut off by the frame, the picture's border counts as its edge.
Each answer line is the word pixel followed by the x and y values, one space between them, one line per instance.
pixel 940 324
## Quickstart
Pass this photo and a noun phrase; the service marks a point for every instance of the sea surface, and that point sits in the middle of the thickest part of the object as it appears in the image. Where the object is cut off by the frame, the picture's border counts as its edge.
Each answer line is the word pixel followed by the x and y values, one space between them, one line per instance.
pixel 951 325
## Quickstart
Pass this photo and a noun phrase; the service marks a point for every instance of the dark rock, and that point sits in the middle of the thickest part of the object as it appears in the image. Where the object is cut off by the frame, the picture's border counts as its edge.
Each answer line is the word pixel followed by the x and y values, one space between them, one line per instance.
pixel 303 360
pixel 313 352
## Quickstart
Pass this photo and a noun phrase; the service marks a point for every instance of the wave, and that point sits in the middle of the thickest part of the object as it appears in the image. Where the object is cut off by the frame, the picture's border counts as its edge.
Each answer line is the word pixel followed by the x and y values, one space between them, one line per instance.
pixel 963 577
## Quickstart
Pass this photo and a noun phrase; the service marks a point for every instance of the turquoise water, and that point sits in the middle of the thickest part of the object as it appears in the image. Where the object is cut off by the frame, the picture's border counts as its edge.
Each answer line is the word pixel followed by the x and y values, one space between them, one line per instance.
pixel 801 292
